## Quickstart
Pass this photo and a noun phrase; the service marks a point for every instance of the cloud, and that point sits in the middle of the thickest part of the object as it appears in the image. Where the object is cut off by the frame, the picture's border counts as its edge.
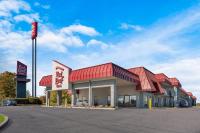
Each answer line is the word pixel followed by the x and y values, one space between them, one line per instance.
pixel 78 28
pixel 29 18
pixel 57 41
pixel 94 42
pixel 126 26
pixel 9 6
pixel 43 6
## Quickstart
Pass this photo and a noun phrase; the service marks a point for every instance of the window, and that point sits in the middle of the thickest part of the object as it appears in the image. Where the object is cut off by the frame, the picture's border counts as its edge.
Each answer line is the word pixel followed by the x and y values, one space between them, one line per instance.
pixel 133 100
pixel 126 99
pixel 121 100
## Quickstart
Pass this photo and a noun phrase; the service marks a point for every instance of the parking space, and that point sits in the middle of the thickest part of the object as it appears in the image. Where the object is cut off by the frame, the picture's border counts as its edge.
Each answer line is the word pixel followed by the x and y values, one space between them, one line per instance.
pixel 56 120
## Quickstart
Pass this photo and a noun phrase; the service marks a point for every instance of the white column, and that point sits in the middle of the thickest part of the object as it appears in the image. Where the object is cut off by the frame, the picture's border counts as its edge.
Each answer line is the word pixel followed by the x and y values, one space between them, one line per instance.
pixel 73 97
pixel 59 97
pixel 90 99
pixel 47 98
pixel 113 95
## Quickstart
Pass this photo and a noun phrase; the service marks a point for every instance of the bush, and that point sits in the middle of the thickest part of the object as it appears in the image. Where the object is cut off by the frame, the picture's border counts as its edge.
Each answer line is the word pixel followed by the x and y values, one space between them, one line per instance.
pixel 29 100
pixel 42 99
pixel 33 100
pixel 21 100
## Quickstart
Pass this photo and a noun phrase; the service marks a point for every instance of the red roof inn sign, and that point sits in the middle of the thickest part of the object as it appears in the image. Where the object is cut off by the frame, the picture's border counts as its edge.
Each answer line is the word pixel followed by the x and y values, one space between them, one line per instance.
pixel 34 30
pixel 21 69
pixel 60 79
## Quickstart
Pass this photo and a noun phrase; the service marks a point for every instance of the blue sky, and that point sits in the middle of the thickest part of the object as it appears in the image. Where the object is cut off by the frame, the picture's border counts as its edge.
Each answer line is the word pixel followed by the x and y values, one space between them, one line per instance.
pixel 163 36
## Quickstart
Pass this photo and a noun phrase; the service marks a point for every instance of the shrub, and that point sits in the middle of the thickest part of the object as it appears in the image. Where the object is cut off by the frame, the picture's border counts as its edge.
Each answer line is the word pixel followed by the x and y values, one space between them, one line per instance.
pixel 33 100
pixel 29 100
pixel 42 99
pixel 21 100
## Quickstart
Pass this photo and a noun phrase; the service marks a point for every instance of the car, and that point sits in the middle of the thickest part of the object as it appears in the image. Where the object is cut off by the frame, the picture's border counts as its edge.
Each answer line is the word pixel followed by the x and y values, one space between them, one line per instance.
pixel 9 102
pixel 183 103
pixel 82 102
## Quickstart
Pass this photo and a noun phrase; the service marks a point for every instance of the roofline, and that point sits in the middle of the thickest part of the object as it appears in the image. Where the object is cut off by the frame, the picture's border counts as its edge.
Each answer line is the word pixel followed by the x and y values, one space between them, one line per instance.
pixel 142 67
pixel 93 66
pixel 62 64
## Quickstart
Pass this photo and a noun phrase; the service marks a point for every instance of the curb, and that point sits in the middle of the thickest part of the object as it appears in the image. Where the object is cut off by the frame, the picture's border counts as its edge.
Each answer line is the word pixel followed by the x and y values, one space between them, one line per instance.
pixel 90 108
pixel 5 122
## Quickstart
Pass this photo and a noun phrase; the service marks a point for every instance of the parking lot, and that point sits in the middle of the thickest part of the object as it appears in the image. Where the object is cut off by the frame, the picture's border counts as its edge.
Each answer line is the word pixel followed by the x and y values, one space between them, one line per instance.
pixel 34 119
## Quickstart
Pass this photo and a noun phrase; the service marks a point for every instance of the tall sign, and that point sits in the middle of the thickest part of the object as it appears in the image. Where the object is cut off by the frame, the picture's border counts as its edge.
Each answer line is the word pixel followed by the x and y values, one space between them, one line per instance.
pixel 60 78
pixel 21 69
pixel 34 30
pixel 34 57
pixel 21 80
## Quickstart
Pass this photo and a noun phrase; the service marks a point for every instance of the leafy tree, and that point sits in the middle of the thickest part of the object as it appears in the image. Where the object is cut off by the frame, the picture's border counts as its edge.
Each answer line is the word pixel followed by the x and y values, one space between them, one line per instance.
pixel 53 98
pixel 7 85
pixel 66 97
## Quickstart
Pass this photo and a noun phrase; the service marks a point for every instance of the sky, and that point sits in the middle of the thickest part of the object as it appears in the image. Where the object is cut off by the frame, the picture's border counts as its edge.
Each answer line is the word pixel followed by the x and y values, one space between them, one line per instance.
pixel 163 36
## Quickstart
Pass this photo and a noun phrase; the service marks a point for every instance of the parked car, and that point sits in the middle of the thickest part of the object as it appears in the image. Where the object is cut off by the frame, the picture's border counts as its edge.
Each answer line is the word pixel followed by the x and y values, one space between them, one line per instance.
pixel 183 103
pixel 9 102
pixel 82 102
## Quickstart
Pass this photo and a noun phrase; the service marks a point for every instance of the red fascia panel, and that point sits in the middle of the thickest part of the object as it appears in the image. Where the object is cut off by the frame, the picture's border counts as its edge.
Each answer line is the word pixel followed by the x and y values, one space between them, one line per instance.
pixel 94 72
pixel 152 80
pixel 103 71
pixel 193 97
pixel 175 82
pixel 144 84
pixel 161 77
pixel 125 74
pixel 46 81
pixel 146 80
pixel 190 94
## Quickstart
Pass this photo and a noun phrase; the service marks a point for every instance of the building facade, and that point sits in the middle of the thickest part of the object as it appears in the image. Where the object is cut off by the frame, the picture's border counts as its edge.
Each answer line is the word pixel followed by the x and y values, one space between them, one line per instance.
pixel 109 85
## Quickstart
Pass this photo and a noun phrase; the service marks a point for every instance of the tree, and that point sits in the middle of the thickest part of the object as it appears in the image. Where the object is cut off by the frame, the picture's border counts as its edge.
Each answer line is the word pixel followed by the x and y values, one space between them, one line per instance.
pixel 7 85
pixel 28 94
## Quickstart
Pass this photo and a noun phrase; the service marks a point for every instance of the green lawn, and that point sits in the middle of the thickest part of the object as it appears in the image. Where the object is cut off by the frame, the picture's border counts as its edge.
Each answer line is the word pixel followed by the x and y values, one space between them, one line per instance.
pixel 2 118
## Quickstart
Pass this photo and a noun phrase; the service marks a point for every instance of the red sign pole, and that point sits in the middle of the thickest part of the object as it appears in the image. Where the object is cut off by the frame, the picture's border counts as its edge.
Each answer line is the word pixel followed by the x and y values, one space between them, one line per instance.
pixel 34 57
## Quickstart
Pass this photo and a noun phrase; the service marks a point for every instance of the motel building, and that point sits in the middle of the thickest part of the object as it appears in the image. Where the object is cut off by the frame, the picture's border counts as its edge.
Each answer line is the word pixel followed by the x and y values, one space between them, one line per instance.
pixel 109 85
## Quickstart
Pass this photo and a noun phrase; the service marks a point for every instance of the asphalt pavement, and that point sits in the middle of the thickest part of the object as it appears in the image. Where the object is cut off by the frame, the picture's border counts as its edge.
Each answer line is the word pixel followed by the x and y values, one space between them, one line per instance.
pixel 34 119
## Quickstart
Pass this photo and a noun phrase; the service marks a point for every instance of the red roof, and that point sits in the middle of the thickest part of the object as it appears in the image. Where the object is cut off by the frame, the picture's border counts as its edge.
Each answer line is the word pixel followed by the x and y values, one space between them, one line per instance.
pixel 183 90
pixel 193 97
pixel 148 80
pixel 175 82
pixel 190 94
pixel 161 77
pixel 46 81
pixel 103 71
pixel 95 72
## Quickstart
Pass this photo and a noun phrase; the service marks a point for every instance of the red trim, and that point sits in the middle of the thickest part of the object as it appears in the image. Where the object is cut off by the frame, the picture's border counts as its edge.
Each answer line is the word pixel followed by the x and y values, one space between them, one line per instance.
pixel 46 81
pixel 103 71
pixel 175 82
pixel 189 94
pixel 162 78
pixel 148 81
pixel 193 97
